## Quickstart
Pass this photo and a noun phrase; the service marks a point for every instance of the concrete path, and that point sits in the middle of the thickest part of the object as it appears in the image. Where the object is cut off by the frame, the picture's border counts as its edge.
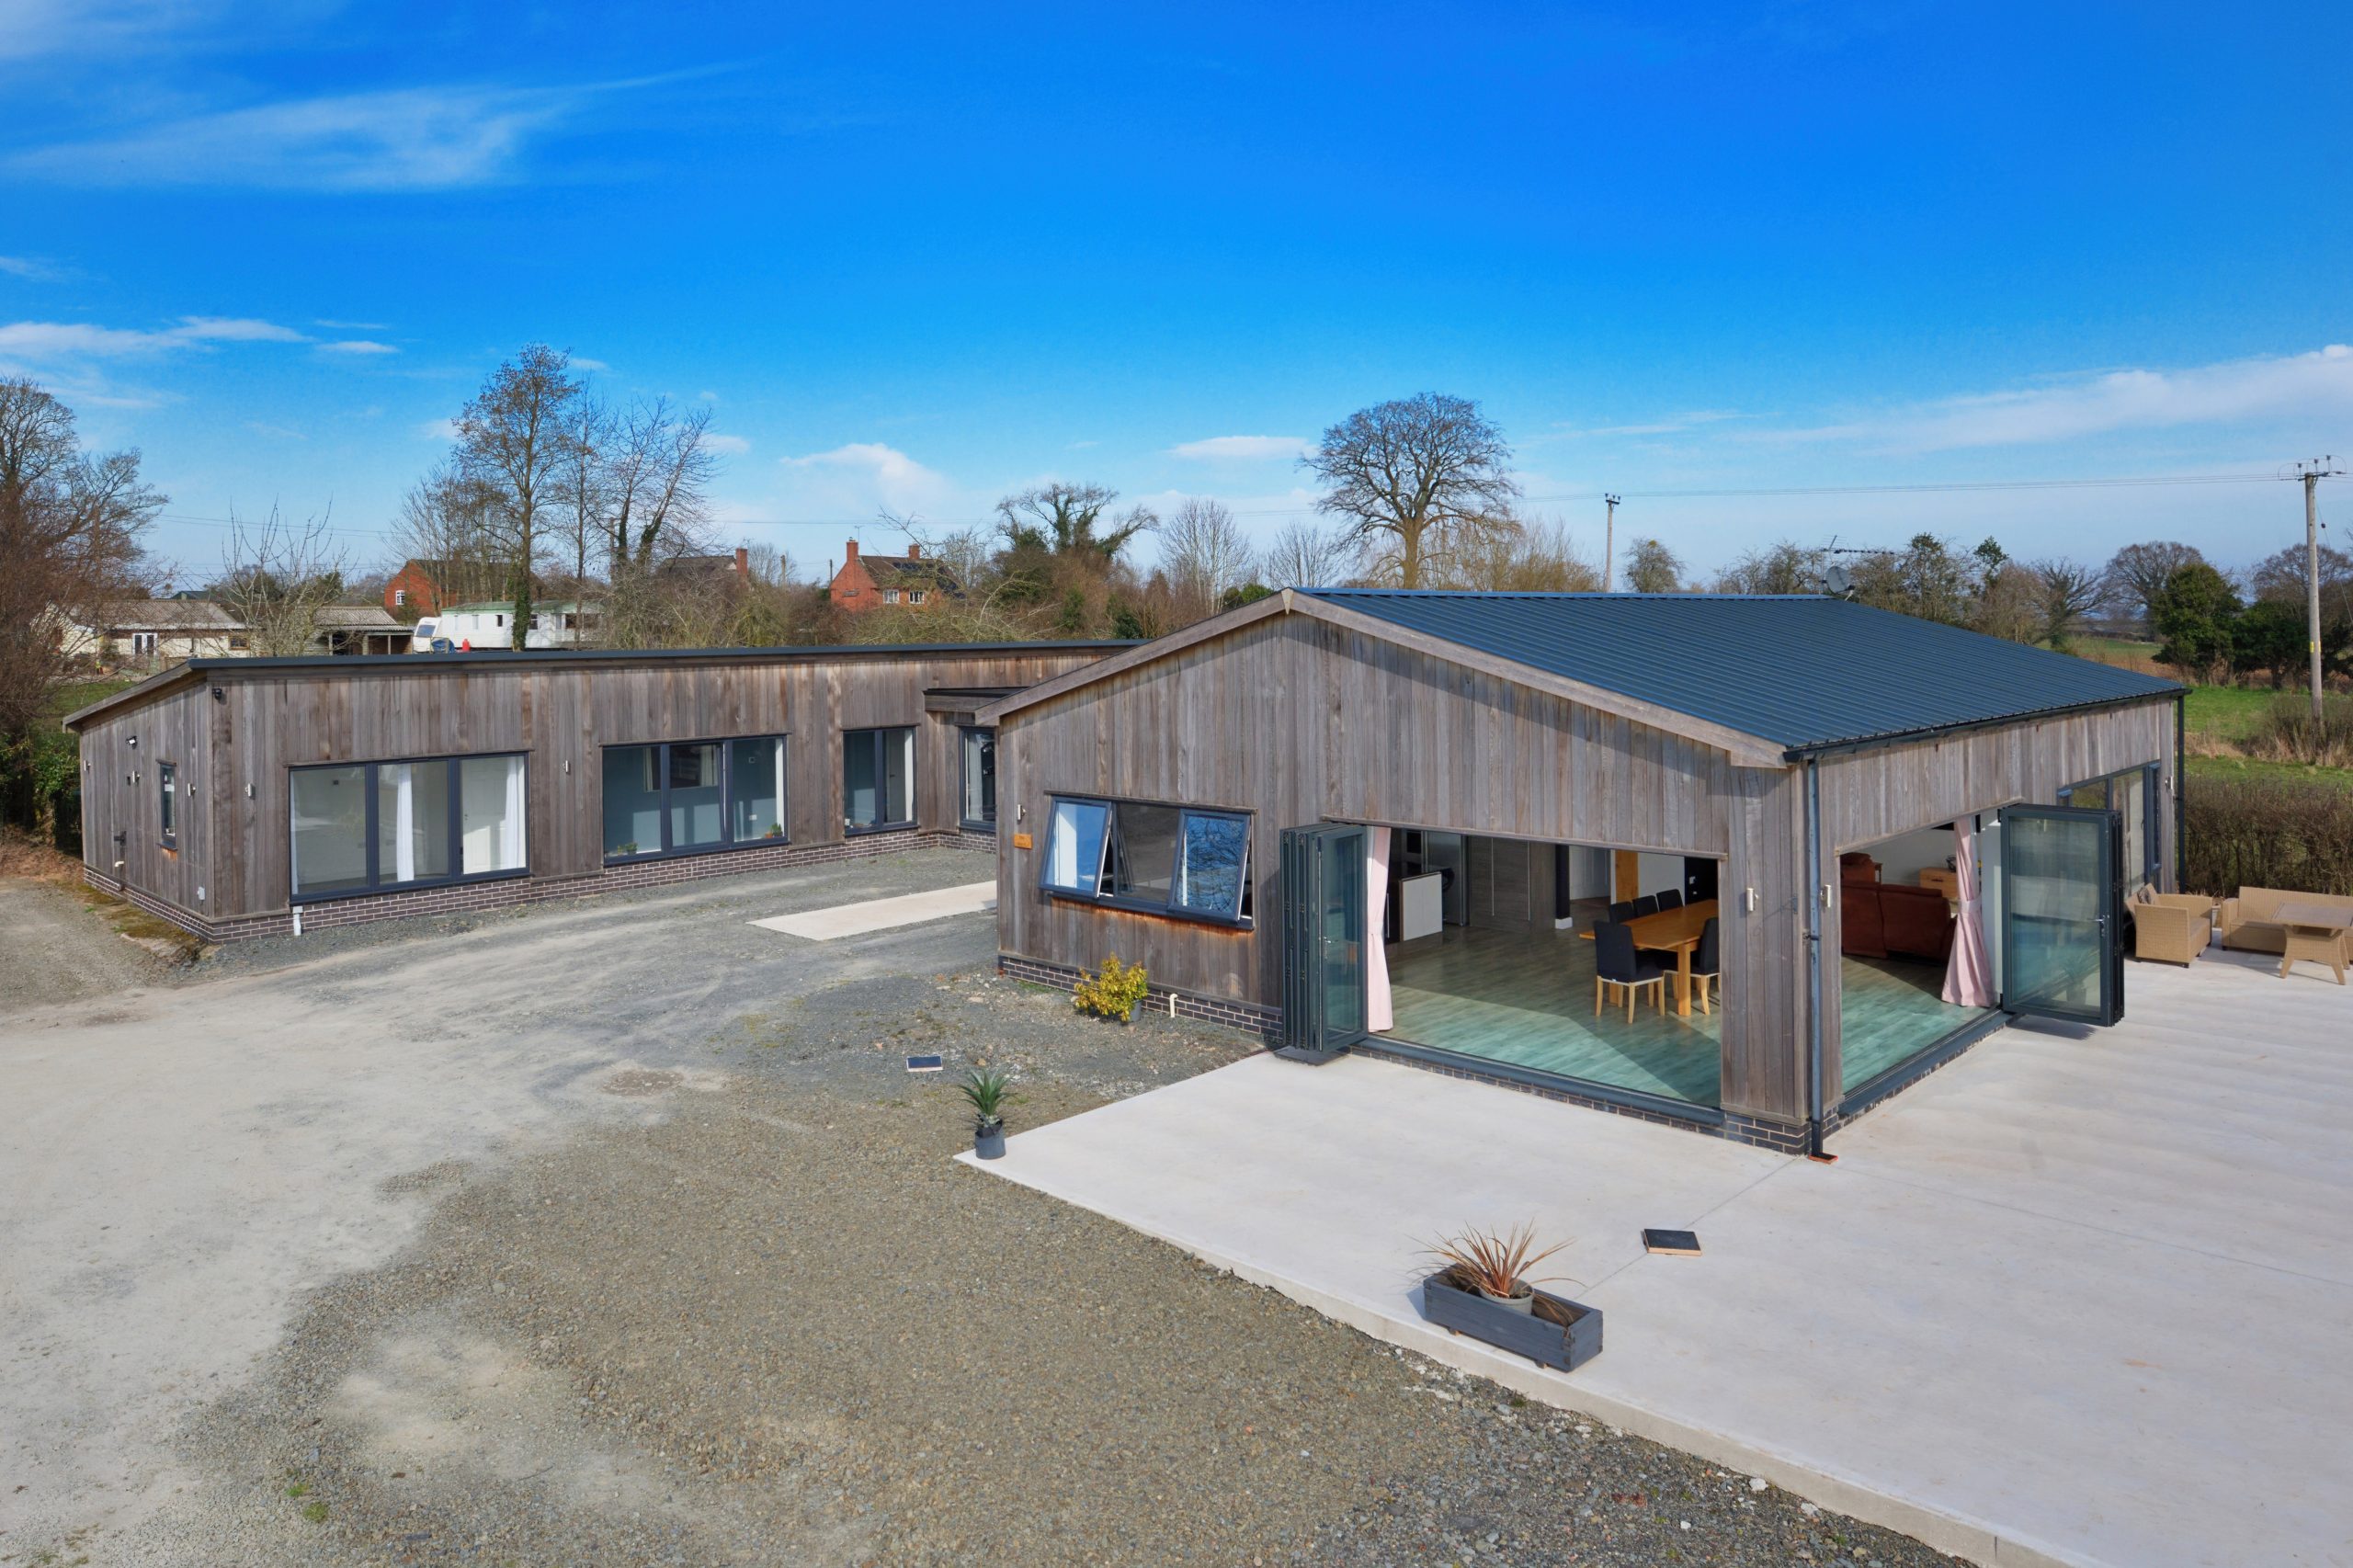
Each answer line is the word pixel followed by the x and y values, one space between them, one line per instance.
pixel 2071 1300
pixel 883 913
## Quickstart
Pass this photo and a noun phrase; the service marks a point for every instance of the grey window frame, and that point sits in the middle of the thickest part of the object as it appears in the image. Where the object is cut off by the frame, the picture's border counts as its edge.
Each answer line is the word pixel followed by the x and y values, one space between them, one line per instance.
pixel 965 735
pixel 871 734
pixel 1245 918
pixel 377 887
pixel 727 845
pixel 168 804
pixel 2151 837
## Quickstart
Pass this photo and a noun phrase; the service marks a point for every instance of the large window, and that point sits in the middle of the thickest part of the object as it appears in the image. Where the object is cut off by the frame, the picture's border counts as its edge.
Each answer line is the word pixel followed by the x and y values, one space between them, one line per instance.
pixel 691 797
pixel 2133 795
pixel 167 786
pixel 878 779
pixel 380 826
pixel 1164 859
pixel 978 808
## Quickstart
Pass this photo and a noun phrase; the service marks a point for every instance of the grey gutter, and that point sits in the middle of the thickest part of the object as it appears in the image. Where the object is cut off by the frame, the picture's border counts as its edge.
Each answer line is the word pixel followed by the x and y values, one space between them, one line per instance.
pixel 1815 749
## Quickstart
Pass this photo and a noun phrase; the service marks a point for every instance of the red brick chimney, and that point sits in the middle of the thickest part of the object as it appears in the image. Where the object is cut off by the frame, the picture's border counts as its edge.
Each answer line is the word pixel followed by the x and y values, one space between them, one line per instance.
pixel 851 549
pixel 742 563
pixel 915 552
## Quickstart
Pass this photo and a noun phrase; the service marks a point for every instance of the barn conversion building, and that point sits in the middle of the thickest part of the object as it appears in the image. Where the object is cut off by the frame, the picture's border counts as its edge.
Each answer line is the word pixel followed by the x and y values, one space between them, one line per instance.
pixel 1747 864
pixel 243 797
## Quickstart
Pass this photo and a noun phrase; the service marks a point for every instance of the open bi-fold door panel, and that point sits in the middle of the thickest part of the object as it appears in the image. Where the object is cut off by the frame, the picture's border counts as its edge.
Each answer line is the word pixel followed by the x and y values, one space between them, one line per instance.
pixel 2062 911
pixel 1324 939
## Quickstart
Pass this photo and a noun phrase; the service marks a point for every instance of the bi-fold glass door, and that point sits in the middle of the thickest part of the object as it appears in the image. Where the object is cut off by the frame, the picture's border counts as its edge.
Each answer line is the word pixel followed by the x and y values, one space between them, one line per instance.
pixel 1324 937
pixel 2061 910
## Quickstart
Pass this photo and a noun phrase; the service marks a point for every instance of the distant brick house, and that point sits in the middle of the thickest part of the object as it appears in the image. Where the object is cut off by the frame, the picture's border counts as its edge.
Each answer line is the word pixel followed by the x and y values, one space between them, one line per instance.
pixel 416 588
pixel 874 582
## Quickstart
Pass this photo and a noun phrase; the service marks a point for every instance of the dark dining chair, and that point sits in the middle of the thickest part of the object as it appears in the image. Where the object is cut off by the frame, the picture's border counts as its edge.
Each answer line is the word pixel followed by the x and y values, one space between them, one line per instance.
pixel 1616 961
pixel 1646 904
pixel 1707 964
pixel 1621 913
pixel 1670 899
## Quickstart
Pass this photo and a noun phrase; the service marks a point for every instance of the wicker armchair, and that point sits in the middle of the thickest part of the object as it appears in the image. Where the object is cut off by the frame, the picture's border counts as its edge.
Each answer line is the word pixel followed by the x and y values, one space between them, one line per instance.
pixel 2171 927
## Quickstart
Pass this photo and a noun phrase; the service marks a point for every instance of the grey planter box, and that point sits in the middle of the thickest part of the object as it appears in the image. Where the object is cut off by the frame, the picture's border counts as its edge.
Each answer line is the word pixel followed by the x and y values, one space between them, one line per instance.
pixel 1559 1333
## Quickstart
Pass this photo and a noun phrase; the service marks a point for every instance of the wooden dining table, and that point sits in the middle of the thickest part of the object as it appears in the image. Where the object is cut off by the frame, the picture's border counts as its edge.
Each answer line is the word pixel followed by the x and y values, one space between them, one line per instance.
pixel 1673 931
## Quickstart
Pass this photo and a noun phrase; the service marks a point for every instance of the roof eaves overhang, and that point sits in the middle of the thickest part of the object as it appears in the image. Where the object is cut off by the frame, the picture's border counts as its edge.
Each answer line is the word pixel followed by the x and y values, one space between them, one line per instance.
pixel 544 658
pixel 1816 751
pixel 1745 750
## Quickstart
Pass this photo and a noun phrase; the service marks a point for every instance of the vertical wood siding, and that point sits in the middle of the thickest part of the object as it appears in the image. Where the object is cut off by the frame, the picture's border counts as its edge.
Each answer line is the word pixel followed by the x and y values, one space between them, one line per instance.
pixel 560 716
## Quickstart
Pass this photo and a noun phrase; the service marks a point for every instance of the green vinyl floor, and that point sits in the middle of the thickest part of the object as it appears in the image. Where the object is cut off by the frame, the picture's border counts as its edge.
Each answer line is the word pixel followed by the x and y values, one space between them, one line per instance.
pixel 1525 998
pixel 1891 1010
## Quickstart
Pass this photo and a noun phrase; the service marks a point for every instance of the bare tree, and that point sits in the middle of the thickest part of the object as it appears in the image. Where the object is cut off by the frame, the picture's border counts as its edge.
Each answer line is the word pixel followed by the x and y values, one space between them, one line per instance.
pixel 1528 558
pixel 1652 568
pixel 584 486
pixel 447 520
pixel 1307 555
pixel 2066 592
pixel 275 578
pixel 1781 568
pixel 1061 520
pixel 1202 553
pixel 658 478
pixel 2137 574
pixel 70 526
pixel 1415 479
pixel 512 437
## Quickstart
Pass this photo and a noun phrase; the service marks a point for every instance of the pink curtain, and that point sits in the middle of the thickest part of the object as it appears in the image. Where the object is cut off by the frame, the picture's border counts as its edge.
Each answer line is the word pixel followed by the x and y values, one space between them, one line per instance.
pixel 1969 973
pixel 1377 1014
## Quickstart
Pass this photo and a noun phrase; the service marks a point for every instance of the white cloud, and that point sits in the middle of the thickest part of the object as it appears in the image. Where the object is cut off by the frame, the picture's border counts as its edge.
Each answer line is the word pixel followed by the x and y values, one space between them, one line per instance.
pixel 1243 448
pixel 1673 423
pixel 46 340
pixel 352 325
pixel 2075 406
pixel 438 429
pixel 582 362
pixel 274 432
pixel 29 269
pixel 233 329
pixel 357 346
pixel 401 138
pixel 726 446
pixel 856 479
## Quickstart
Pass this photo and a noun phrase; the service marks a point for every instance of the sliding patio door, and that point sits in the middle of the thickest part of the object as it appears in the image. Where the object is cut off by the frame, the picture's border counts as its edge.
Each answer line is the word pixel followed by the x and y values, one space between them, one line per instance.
pixel 2061 910
pixel 1324 937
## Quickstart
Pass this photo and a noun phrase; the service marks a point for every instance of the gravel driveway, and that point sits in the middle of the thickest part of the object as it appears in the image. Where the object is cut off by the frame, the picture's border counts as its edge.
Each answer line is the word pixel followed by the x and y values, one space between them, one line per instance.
pixel 618 1233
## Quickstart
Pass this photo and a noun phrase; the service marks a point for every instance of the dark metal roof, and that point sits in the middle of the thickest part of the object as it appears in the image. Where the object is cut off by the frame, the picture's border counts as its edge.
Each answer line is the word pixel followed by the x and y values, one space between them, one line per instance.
pixel 1806 672
pixel 420 664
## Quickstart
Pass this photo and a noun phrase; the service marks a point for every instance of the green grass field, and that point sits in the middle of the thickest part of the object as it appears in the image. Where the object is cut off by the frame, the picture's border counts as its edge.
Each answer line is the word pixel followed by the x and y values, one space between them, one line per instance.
pixel 2235 769
pixel 2230 713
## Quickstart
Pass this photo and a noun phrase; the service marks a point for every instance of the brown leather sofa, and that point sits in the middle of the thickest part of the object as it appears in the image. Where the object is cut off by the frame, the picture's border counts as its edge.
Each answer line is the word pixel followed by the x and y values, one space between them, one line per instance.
pixel 1882 920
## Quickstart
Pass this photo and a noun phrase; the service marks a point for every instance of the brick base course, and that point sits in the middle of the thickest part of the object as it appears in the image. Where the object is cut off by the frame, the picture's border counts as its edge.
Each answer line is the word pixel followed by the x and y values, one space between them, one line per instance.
pixel 507 893
pixel 1247 1017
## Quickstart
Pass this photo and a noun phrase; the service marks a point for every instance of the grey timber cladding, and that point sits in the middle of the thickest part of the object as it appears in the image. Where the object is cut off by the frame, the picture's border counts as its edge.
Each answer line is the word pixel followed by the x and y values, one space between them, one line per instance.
pixel 271 716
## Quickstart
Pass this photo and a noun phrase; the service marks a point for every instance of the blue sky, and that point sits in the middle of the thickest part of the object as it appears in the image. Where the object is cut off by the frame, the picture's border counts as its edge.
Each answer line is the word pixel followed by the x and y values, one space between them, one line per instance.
pixel 917 257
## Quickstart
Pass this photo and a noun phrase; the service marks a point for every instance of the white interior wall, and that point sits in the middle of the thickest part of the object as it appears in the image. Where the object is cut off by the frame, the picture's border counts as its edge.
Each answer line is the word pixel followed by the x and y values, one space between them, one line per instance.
pixel 1903 859
pixel 1658 873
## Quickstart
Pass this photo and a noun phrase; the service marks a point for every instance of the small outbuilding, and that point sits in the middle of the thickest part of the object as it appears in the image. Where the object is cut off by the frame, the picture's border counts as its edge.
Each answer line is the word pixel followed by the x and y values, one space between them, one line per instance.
pixel 1747 864
pixel 243 797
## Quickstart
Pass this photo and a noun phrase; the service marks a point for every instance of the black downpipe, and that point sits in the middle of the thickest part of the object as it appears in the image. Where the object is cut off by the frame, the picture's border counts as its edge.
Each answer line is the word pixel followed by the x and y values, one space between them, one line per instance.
pixel 2180 787
pixel 1813 895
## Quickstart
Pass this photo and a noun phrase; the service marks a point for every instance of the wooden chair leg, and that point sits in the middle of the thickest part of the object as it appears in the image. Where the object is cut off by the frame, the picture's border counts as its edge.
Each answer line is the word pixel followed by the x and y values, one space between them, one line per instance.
pixel 1702 981
pixel 1598 984
pixel 1630 992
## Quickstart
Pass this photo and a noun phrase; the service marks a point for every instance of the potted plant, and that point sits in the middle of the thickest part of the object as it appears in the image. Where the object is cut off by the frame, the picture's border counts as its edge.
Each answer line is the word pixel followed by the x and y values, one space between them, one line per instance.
pixel 1117 990
pixel 988 1090
pixel 1483 1288
pixel 776 830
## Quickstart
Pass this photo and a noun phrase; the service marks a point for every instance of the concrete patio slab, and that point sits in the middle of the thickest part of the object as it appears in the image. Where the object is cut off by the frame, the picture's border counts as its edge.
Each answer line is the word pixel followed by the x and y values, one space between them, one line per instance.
pixel 2073 1299
pixel 882 914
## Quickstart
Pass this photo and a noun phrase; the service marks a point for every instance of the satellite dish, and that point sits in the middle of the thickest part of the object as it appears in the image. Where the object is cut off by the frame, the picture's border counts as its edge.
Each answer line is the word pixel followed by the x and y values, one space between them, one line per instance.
pixel 1837 582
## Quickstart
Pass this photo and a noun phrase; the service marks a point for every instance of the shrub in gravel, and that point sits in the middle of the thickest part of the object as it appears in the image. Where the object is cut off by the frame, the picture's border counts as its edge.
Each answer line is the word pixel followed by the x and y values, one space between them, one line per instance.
pixel 1113 991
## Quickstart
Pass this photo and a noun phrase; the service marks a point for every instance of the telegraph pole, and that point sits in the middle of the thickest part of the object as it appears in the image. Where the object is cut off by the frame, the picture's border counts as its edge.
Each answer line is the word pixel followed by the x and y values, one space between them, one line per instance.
pixel 2312 473
pixel 1610 546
